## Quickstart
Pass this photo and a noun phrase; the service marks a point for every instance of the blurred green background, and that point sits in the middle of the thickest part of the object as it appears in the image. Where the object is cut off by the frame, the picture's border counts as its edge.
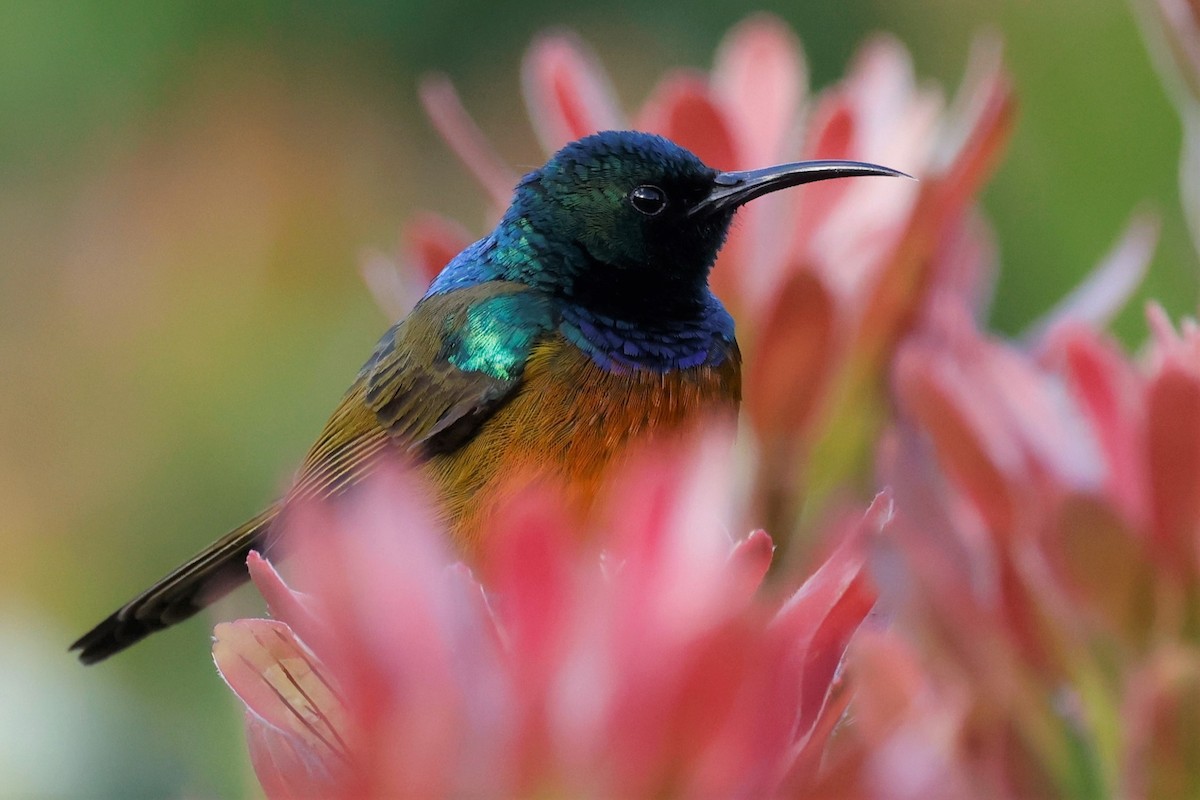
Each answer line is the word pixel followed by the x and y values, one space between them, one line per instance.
pixel 185 193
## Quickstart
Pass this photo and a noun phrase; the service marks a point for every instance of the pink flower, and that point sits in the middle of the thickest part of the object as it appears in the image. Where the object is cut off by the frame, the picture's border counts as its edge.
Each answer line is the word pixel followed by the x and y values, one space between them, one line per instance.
pixel 824 282
pixel 639 662
pixel 1173 33
pixel 1042 569
pixel 1040 572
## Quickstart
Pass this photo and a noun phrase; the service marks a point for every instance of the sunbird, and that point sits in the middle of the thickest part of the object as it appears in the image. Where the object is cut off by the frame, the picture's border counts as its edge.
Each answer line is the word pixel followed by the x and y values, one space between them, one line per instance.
pixel 581 323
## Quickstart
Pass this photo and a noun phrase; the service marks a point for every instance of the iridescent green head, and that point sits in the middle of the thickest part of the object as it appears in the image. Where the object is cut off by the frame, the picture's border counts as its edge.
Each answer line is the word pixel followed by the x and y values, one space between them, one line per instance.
pixel 629 224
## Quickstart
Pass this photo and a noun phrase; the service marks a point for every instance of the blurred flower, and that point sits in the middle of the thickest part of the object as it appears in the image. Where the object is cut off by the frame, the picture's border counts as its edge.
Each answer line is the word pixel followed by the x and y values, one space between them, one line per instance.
pixel 1043 571
pixel 824 282
pixel 1172 28
pixel 1040 575
pixel 645 668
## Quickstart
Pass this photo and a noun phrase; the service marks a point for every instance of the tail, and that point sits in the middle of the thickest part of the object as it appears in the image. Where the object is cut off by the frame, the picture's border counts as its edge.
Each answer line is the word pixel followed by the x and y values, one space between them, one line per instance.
pixel 208 576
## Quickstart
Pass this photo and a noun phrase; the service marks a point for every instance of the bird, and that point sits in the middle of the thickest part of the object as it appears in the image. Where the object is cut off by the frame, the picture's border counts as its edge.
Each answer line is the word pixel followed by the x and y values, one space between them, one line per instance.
pixel 582 323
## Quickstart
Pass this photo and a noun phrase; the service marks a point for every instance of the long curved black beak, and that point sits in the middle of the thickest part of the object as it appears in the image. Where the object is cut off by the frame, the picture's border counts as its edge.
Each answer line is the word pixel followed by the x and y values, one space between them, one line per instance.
pixel 732 189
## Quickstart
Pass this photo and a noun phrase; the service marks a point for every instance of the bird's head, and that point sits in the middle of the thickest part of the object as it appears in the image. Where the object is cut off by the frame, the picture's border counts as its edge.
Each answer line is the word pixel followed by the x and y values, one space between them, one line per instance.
pixel 629 223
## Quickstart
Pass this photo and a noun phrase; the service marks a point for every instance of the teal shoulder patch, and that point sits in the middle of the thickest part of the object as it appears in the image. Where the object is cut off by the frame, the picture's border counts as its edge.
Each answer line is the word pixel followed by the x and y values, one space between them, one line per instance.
pixel 498 333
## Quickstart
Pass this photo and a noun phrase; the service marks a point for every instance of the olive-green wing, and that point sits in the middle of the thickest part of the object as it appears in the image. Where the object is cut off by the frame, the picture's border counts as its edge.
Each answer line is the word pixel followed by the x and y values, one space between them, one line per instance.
pixel 433 379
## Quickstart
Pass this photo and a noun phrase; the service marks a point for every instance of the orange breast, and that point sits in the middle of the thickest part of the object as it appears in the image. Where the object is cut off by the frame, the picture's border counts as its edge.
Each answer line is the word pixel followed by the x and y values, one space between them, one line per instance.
pixel 571 421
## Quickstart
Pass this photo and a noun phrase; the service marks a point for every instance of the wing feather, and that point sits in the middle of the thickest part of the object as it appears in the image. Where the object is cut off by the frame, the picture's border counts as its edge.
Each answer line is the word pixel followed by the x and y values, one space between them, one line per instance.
pixel 432 381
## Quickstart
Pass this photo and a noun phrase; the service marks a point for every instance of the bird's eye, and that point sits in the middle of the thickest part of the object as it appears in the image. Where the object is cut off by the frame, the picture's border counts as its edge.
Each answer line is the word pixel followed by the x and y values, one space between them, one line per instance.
pixel 649 200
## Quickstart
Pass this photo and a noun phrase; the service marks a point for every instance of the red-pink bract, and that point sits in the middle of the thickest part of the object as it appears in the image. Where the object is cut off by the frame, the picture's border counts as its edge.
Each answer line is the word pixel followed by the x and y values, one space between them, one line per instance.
pixel 1038 580
pixel 1043 568
pixel 825 282
pixel 638 662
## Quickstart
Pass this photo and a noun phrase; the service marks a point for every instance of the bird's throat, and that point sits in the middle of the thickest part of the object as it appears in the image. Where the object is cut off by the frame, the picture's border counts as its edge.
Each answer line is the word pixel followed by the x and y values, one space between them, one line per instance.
pixel 703 339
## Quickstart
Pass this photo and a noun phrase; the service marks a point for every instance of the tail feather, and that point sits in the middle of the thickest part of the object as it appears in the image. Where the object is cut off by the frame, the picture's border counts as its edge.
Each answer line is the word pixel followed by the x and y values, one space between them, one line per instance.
pixel 210 575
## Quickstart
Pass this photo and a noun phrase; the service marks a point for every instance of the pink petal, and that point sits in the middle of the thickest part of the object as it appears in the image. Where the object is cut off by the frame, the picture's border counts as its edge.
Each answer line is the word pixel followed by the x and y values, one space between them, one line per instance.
pixel 1180 349
pixel 1109 394
pixel 1105 566
pixel 831 135
pixel 1159 721
pixel 760 77
pixel 396 289
pixel 297 610
pixel 876 114
pixel 429 241
pixel 1025 431
pixel 945 562
pixel 896 122
pixel 356 555
pixel 478 604
pixel 748 564
pixel 881 75
pixel 1040 418
pixel 824 613
pixel 285 688
pixel 665 621
pixel 672 523
pixel 909 726
pixel 787 377
pixel 1161 330
pixel 889 682
pixel 567 91
pixel 414 655
pixel 1173 411
pixel 826 644
pixel 529 566
pixel 1104 292
pixel 819 621
pixel 1179 22
pixel 942 201
pixel 972 440
pixel 986 107
pixel 452 121
pixel 965 267
pixel 704 721
pixel 814 749
pixel 284 768
pixel 682 108
pixel 847 230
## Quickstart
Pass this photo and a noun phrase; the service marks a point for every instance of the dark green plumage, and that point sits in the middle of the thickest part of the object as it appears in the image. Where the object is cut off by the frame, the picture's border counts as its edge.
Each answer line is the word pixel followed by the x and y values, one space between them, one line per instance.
pixel 582 322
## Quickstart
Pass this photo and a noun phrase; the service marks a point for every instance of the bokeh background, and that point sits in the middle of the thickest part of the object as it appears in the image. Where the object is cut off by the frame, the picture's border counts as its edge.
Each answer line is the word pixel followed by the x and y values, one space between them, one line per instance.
pixel 186 192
